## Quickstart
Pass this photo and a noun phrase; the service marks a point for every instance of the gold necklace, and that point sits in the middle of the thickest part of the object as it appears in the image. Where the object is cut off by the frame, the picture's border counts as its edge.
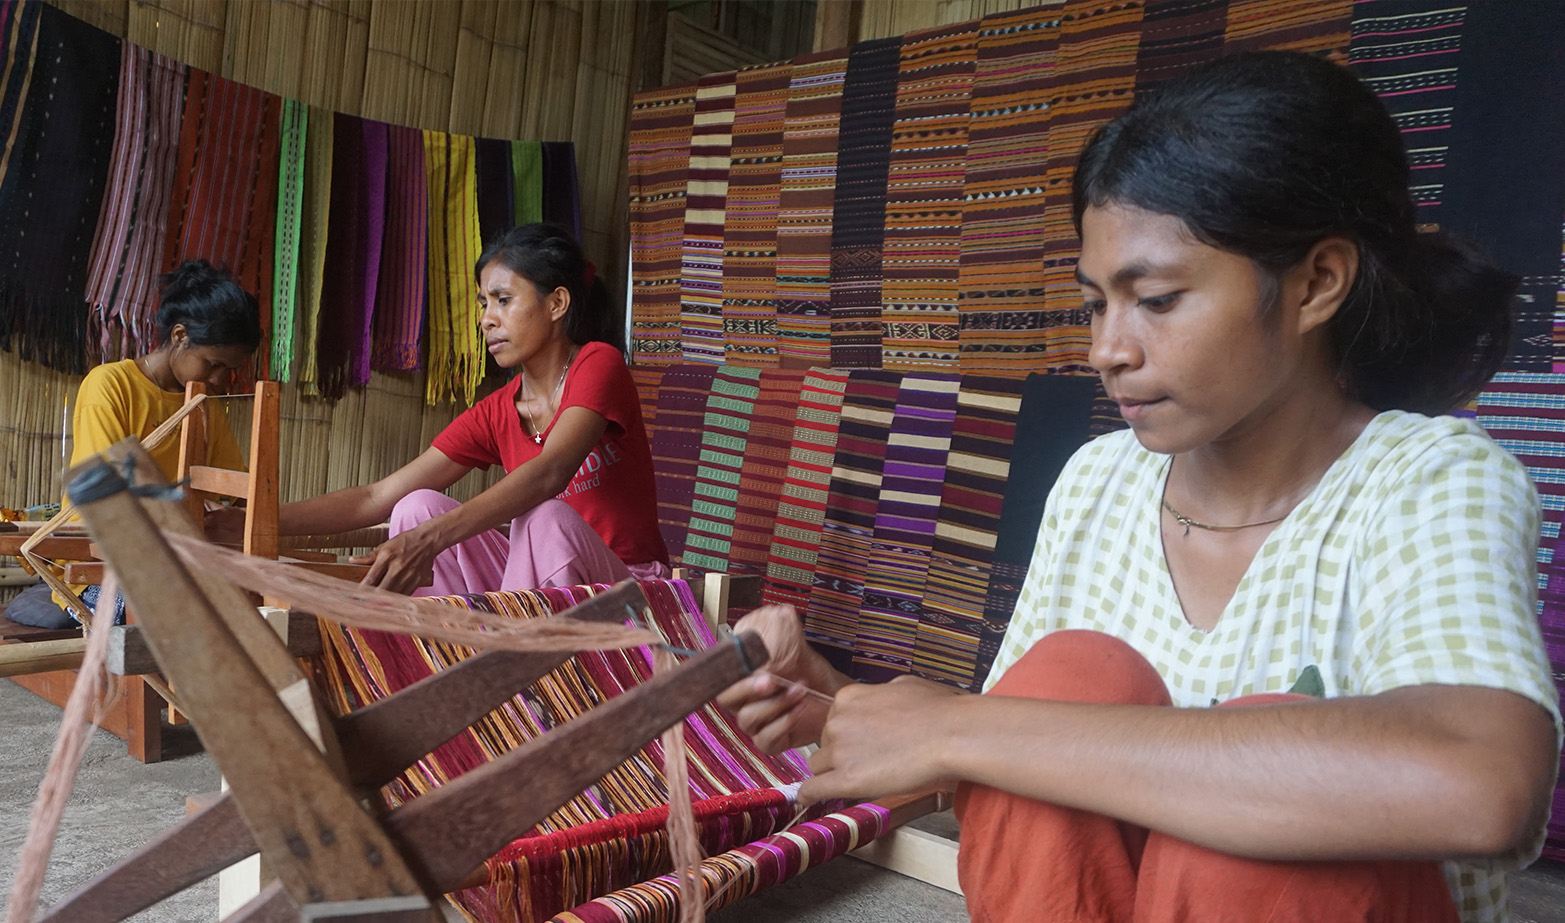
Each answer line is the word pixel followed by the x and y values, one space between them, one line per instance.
pixel 538 433
pixel 1187 522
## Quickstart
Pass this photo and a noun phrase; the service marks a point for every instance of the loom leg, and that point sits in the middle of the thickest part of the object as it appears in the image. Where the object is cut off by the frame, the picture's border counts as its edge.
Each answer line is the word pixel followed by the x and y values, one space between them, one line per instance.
pixel 143 720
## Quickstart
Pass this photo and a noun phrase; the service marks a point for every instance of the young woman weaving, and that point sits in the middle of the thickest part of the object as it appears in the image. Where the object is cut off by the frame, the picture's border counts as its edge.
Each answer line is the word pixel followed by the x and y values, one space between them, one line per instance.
pixel 1280 516
pixel 578 492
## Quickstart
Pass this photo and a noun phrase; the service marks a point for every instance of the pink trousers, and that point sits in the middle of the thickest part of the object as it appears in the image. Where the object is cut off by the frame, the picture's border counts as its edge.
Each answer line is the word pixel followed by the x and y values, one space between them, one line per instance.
pixel 550 545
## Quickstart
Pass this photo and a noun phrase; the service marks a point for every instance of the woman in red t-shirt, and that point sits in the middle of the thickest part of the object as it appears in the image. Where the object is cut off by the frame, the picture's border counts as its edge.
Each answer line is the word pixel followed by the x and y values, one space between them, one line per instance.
pixel 578 490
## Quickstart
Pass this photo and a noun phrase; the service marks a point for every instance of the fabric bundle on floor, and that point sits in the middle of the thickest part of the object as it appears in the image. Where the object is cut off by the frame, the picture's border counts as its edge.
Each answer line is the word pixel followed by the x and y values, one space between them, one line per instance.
pixel 801 509
pixel 127 252
pixel 58 88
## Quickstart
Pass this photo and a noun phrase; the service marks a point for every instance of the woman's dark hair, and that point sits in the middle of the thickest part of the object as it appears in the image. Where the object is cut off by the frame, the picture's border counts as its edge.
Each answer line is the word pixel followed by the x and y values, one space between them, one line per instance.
pixel 1264 154
pixel 549 257
pixel 215 310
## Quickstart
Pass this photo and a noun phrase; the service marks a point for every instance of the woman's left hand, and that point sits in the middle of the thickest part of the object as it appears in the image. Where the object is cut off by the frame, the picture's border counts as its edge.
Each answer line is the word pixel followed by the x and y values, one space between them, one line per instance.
pixel 402 564
pixel 884 739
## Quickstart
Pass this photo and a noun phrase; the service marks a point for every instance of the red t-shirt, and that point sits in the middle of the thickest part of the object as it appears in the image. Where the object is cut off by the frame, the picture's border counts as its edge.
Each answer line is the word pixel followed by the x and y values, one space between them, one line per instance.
pixel 613 490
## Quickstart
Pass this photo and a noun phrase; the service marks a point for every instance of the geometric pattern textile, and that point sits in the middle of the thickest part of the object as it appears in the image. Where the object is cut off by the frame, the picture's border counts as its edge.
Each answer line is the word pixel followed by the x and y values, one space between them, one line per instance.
pixel 676 448
pixel 724 433
pixel 765 467
pixel 801 505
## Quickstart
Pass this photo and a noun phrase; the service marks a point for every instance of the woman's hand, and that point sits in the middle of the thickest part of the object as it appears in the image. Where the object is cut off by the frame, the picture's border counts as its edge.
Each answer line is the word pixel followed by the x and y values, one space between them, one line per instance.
pixel 225 525
pixel 772 706
pixel 884 739
pixel 403 563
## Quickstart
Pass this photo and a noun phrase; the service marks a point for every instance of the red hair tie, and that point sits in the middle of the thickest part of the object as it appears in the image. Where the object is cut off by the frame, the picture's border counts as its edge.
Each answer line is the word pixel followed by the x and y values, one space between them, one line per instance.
pixel 590 273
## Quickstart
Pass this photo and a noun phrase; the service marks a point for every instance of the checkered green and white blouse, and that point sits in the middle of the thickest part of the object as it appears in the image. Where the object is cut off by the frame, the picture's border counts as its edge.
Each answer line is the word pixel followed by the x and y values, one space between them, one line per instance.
pixel 1411 562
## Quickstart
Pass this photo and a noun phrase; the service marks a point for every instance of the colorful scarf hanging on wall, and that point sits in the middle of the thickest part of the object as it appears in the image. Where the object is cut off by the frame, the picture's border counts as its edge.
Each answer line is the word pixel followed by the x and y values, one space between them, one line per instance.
pixel 128 251
pixel 358 222
pixel 314 233
pixel 661 125
pixel 456 359
pixel 403 286
pixel 750 228
pixel 561 190
pixel 527 181
pixel 295 126
pixel 496 188
pixel 61 81
pixel 801 508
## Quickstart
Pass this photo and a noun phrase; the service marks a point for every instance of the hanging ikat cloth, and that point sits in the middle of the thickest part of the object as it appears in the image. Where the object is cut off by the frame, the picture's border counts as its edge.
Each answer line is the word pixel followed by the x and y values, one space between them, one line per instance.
pixel 456 356
pixel 358 224
pixel 290 213
pixel 400 295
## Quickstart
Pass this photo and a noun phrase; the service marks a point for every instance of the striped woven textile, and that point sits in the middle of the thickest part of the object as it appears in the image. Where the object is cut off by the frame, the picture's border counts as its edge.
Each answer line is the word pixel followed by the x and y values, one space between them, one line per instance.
pixel 977 469
pixel 660 132
pixel 364 667
pixel 1053 423
pixel 831 621
pixel 496 188
pixel 456 355
pixel 801 507
pixel 804 218
pixel 647 379
pixel 404 284
pixel 527 181
pixel 1525 413
pixel 353 252
pixel 869 97
pixel 1320 27
pixel 924 192
pixel 912 483
pixel 1177 34
pixel 676 448
pixel 764 472
pixel 743 871
pixel 224 206
pixel 725 429
pixel 314 230
pixel 1000 291
pixel 561 188
pixel 701 285
pixel 750 228
pixel 295 127
pixel 128 249
pixel 1095 78
pixel 1408 53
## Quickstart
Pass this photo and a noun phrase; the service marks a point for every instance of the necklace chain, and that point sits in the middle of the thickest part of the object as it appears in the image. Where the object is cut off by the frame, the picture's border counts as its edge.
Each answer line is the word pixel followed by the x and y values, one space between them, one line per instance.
pixel 1187 522
pixel 538 433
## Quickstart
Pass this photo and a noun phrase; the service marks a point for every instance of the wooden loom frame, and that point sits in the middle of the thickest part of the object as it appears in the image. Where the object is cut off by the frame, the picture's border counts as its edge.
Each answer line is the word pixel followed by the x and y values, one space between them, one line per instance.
pixel 297 774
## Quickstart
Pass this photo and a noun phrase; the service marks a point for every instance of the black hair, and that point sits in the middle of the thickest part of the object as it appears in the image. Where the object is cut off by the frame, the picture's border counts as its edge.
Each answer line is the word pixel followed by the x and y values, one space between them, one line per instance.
pixel 1264 154
pixel 215 309
pixel 549 257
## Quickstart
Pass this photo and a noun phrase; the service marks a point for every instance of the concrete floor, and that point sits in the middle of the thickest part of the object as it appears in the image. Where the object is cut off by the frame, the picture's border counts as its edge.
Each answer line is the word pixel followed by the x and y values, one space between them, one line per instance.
pixel 119 804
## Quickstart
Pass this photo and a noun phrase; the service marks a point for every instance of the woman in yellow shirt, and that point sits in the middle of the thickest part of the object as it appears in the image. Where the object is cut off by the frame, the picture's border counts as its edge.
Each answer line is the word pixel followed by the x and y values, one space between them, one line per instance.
pixel 207 326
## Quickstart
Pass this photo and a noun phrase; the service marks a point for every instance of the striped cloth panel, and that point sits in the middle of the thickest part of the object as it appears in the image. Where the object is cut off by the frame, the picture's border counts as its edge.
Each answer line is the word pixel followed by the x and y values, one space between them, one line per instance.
pixel 456 355
pixel 647 379
pixel 1001 271
pixel 701 274
pixel 912 484
pixel 1095 78
pixel 314 230
pixel 1176 35
pixel 1320 27
pixel 924 198
pixel 660 129
pixel 295 125
pixel 804 216
pixel 977 468
pixel 750 229
pixel 358 208
pixel 399 296
pixel 801 507
pixel 859 209
pixel 1053 423
pixel 765 468
pixel 725 430
pixel 847 536
pixel 676 448
pixel 527 181
pixel 122 278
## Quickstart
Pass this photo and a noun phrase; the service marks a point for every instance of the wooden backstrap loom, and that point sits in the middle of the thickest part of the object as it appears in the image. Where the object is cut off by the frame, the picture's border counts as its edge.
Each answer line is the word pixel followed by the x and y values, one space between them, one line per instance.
pixel 297 775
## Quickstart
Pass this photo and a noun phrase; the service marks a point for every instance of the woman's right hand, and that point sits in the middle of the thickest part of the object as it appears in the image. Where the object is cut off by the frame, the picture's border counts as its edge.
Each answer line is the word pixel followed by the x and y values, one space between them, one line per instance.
pixel 772 705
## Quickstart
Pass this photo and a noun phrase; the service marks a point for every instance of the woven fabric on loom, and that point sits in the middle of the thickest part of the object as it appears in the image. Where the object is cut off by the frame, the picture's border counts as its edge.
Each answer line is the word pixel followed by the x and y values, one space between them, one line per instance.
pixel 1000 290
pixel 456 356
pixel 404 284
pixel 577 853
pixel 660 133
pixel 831 622
pixel 58 145
pixel 750 228
pixel 358 224
pixel 295 125
pixel 1095 79
pixel 128 249
pixel 676 448
pixel 755 866
pixel 924 190
pixel 762 475
pixel 725 430
pixel 647 379
pixel 527 181
pixel 801 507
pixel 804 217
pixel 912 482
pixel 1053 423
pixel 977 469
pixel 1525 413
pixel 701 273
pixel 869 106
pixel 314 230
pixel 1318 27
pixel 224 206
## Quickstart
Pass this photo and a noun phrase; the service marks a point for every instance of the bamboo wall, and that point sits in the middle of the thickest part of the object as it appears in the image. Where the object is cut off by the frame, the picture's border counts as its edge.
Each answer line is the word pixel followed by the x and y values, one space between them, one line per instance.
pixel 843 22
pixel 545 70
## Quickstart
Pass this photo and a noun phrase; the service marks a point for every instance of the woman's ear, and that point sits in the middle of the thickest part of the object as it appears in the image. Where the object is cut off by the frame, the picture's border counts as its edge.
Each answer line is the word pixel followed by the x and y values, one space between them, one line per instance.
pixel 559 302
pixel 1323 280
pixel 179 336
